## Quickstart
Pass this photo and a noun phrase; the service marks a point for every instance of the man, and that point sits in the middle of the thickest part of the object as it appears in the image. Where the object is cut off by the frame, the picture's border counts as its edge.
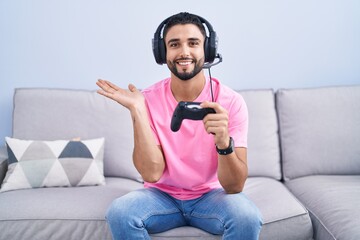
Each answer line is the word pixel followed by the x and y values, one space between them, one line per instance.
pixel 195 176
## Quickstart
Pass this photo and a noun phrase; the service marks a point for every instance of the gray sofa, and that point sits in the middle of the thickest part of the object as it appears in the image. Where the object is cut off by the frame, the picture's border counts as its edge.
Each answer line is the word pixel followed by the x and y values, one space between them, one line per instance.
pixel 303 154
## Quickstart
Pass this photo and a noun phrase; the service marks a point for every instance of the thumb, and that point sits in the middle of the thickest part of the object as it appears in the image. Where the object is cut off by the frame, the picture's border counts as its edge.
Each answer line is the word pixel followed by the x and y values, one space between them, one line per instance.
pixel 132 87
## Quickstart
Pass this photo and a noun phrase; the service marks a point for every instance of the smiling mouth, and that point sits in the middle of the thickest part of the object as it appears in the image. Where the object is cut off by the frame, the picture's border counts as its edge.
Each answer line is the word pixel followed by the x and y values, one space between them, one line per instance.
pixel 184 62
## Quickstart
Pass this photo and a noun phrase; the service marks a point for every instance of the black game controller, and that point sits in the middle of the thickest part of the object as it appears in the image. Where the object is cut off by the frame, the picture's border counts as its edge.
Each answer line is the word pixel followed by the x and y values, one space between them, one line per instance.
pixel 188 110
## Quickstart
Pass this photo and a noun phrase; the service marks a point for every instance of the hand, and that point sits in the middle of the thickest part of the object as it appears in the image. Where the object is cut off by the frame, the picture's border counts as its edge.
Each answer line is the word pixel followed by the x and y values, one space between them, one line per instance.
pixel 131 98
pixel 217 124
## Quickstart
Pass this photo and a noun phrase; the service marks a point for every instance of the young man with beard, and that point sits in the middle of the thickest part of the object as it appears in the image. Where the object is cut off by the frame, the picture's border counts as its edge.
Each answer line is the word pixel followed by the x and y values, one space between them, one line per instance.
pixel 193 177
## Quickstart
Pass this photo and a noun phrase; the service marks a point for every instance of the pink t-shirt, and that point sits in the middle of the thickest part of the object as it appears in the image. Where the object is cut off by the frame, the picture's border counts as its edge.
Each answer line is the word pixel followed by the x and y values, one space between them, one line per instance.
pixel 190 153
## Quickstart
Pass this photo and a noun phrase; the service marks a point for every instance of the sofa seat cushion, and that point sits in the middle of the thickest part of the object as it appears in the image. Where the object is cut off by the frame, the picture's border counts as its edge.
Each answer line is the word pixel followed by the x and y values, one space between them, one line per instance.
pixel 284 217
pixel 333 203
pixel 60 213
pixel 79 213
pixel 188 233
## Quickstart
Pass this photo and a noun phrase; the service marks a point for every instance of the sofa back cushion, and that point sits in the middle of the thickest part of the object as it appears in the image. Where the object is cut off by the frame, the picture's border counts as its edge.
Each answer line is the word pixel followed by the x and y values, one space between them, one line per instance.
pixel 319 130
pixel 59 114
pixel 53 114
pixel 263 139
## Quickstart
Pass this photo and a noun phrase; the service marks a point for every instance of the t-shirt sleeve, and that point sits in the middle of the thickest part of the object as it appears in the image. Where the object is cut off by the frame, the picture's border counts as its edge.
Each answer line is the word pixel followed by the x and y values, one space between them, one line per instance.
pixel 239 121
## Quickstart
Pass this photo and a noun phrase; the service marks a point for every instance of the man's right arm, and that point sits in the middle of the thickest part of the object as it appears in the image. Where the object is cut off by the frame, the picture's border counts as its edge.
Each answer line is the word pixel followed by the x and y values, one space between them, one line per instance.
pixel 147 156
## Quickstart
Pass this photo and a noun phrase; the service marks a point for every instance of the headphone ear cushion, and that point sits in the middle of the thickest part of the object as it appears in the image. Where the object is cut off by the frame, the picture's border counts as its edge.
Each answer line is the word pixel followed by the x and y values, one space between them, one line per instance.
pixel 159 50
pixel 155 48
pixel 211 43
pixel 162 51
pixel 206 49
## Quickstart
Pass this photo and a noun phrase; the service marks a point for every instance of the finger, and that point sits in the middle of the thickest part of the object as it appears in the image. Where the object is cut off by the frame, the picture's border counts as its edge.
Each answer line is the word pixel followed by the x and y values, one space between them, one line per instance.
pixel 102 81
pixel 216 124
pixel 218 132
pixel 102 84
pixel 113 86
pixel 217 107
pixel 216 119
pixel 212 130
pixel 108 87
pixel 102 92
pixel 99 83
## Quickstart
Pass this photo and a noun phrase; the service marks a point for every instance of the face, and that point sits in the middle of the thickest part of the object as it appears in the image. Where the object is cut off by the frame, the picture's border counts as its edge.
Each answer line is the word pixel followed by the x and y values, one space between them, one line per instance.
pixel 184 50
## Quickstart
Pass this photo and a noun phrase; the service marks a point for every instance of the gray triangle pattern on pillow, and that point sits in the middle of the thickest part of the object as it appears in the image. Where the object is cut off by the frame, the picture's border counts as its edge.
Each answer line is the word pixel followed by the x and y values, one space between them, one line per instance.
pixel 75 168
pixel 60 163
pixel 36 171
pixel 11 156
pixel 75 149
pixel 37 150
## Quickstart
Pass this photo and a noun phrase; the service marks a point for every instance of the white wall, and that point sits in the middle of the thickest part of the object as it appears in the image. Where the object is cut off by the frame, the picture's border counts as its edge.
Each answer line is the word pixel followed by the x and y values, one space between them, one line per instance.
pixel 265 43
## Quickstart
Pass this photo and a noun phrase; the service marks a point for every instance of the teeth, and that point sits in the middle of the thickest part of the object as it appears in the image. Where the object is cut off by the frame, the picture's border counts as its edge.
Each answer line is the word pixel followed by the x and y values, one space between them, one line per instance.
pixel 184 63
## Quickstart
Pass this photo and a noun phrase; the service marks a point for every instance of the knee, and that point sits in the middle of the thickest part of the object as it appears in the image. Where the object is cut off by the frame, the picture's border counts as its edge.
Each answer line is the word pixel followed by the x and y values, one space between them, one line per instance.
pixel 110 213
pixel 116 212
pixel 249 220
pixel 245 217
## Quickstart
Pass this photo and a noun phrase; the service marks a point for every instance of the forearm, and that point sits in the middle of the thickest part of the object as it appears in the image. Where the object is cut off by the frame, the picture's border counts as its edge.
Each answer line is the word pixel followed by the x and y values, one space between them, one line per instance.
pixel 232 171
pixel 147 156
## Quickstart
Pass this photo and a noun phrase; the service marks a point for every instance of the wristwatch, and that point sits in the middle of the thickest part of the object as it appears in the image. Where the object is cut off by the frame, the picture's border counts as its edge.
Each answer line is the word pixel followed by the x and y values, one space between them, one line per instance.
pixel 228 150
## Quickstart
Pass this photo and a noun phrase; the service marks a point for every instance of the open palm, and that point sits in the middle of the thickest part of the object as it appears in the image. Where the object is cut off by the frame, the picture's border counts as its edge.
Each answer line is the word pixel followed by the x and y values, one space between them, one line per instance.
pixel 129 98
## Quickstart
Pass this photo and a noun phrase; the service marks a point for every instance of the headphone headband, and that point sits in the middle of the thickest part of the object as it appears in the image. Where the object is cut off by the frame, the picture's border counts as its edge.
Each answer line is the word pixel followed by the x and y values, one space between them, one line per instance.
pixel 210 45
pixel 163 23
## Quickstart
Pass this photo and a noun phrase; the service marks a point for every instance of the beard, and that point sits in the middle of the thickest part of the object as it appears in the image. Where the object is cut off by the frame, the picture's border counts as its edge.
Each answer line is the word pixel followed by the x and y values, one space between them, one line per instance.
pixel 186 75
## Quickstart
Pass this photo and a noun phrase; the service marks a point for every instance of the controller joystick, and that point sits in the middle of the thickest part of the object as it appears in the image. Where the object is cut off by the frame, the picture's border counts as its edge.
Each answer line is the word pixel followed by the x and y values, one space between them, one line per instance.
pixel 188 110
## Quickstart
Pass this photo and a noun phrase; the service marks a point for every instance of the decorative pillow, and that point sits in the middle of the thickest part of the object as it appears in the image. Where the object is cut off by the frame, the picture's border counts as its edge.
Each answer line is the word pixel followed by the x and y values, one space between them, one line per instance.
pixel 60 163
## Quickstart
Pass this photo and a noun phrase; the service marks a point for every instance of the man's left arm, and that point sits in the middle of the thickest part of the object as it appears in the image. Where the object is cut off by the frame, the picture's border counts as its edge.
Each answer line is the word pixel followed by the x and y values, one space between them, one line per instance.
pixel 232 167
pixel 232 170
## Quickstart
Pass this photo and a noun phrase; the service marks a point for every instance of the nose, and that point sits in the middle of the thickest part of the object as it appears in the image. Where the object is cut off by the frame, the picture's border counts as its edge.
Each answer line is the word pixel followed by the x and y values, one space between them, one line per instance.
pixel 185 51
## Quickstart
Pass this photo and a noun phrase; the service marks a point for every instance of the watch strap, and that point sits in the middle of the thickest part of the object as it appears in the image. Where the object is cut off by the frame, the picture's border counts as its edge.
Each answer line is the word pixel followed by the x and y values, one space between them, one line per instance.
pixel 228 150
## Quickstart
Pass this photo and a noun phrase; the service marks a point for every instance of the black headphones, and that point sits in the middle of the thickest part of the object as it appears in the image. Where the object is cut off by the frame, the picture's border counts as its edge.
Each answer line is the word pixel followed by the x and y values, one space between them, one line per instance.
pixel 210 46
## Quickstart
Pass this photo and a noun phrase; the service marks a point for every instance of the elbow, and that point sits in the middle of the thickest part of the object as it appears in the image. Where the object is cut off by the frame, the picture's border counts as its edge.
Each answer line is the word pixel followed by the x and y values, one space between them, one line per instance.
pixel 233 189
pixel 152 178
pixel 150 171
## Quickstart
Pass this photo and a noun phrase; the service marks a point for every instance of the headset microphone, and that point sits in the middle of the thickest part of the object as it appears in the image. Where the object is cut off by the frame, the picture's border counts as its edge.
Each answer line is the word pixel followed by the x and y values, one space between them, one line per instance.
pixel 209 65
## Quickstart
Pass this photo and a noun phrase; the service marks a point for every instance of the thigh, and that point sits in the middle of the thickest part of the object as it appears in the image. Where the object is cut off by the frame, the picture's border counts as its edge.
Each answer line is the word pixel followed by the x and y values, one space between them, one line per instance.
pixel 150 208
pixel 216 212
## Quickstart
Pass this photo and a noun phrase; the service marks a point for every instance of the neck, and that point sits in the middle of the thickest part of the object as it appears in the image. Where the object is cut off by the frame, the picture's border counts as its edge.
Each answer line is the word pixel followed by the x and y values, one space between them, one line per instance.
pixel 187 90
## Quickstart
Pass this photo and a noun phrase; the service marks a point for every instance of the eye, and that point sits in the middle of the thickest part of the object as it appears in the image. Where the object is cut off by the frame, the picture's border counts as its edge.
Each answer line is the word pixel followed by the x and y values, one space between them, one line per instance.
pixel 194 43
pixel 173 44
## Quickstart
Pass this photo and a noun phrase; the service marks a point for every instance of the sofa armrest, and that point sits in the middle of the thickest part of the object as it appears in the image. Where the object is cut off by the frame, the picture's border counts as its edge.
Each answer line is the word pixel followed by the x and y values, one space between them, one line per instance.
pixel 3 163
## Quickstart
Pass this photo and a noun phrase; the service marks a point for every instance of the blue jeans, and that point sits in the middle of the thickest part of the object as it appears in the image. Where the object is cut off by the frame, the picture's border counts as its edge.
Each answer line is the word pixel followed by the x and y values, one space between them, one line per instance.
pixel 146 211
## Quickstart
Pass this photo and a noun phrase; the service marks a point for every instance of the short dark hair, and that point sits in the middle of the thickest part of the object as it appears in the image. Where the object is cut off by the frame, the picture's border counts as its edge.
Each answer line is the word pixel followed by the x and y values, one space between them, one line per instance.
pixel 184 18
